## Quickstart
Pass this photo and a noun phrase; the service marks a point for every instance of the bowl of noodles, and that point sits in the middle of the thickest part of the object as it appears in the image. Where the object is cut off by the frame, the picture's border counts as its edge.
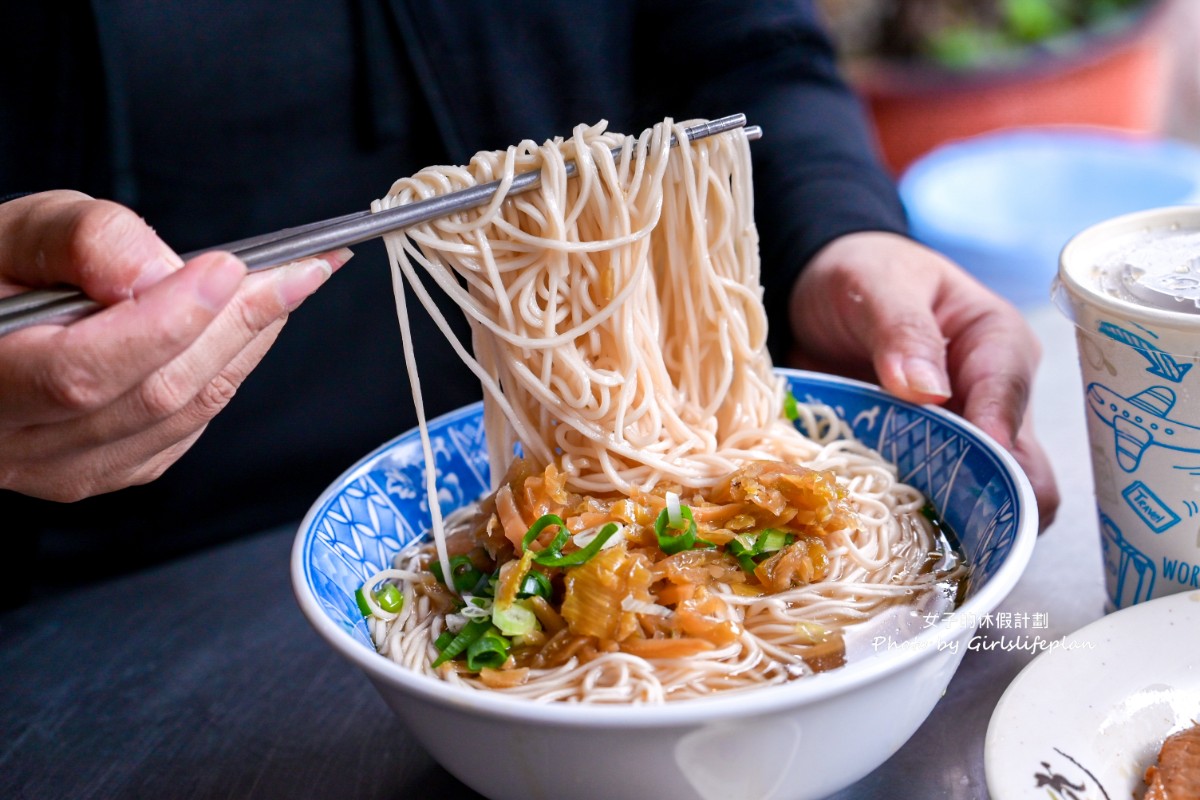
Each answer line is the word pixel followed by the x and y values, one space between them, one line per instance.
pixel 648 563
pixel 804 736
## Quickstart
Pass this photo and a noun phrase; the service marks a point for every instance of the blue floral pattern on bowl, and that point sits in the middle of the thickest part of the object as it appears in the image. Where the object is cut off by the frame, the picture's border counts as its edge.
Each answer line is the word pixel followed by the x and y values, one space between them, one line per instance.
pixel 380 505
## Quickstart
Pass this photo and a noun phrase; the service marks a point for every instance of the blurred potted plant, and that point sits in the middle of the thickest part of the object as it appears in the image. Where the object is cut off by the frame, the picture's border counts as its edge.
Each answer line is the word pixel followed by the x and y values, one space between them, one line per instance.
pixel 931 71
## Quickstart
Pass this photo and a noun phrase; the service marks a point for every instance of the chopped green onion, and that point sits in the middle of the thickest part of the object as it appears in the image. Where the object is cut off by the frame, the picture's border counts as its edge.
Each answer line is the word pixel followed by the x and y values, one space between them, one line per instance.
pixel 742 544
pixel 551 556
pixel 466 575
pixel 675 518
pixel 580 556
pixel 469 633
pixel 535 584
pixel 362 602
pixel 748 548
pixel 741 547
pixel 516 619
pixel 672 544
pixel 476 608
pixel 771 540
pixel 790 409
pixel 444 638
pixel 542 523
pixel 390 598
pixel 489 650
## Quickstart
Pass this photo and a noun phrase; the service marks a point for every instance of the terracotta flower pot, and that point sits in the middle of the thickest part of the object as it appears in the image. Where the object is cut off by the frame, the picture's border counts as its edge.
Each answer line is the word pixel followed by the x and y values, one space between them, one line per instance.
pixel 1117 79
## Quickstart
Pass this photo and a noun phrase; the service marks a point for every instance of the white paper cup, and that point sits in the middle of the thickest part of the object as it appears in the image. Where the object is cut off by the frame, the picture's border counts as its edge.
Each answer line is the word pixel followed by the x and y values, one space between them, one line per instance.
pixel 1142 391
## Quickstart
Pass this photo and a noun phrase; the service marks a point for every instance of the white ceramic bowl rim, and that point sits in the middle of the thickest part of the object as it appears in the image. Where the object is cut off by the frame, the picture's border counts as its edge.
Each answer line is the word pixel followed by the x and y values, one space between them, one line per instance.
pixel 821 686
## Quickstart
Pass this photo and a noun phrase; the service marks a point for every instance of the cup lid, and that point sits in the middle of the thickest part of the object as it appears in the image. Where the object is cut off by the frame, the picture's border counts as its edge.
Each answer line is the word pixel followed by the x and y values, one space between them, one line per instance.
pixel 1140 265
pixel 1162 273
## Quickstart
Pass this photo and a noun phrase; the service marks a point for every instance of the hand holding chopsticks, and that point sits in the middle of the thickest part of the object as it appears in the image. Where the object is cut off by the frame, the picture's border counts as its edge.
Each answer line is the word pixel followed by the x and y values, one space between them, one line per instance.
pixel 114 399
pixel 270 250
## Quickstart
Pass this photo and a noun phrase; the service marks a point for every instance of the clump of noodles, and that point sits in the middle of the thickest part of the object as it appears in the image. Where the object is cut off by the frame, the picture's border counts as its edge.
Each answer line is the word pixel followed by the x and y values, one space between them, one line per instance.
pixel 619 333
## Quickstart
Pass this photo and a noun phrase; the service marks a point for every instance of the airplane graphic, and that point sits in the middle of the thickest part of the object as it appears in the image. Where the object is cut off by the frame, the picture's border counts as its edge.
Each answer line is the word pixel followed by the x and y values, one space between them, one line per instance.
pixel 1140 421
pixel 1161 362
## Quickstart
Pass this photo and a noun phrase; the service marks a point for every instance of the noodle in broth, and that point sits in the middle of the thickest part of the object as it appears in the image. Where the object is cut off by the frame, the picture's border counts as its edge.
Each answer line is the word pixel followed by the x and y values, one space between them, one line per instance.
pixel 619 333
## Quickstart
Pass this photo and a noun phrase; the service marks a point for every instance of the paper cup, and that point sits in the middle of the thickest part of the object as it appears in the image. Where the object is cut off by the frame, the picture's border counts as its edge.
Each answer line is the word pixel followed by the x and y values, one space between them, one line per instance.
pixel 1138 352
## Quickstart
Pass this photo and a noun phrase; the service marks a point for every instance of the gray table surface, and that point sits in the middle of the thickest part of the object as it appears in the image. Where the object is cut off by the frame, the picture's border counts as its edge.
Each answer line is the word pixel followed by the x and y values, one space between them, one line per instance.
pixel 201 679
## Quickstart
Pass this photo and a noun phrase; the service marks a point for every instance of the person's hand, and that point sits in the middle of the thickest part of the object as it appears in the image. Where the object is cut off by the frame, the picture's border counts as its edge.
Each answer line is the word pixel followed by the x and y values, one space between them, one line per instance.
pixel 883 308
pixel 113 399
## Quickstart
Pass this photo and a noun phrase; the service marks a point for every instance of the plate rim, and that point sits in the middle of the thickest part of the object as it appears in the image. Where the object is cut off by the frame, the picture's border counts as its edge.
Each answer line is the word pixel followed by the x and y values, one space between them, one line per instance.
pixel 1003 714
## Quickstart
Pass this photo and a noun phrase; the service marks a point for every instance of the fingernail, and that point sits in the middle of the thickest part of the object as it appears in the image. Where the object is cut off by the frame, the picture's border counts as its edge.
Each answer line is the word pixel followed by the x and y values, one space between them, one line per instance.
pixel 926 377
pixel 219 282
pixel 297 281
pixel 339 257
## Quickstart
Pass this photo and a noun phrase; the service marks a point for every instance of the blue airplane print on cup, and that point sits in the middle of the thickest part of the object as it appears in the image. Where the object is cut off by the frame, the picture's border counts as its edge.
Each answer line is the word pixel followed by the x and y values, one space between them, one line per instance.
pixel 1140 421
pixel 1131 572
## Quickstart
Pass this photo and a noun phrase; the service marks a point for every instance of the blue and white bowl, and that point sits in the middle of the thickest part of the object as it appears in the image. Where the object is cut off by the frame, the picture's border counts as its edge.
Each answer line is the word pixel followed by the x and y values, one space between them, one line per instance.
pixel 806 739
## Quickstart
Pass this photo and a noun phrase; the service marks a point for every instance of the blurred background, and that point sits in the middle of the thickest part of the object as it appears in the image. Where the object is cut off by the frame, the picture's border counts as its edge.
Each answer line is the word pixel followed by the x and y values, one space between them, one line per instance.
pixel 1012 124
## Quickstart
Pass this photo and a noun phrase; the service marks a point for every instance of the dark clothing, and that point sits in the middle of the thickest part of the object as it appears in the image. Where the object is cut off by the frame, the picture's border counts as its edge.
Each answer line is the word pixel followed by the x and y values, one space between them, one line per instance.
pixel 219 120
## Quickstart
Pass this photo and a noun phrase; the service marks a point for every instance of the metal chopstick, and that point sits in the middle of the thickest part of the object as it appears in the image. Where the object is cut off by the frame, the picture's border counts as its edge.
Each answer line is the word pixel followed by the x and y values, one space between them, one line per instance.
pixel 46 305
pixel 273 249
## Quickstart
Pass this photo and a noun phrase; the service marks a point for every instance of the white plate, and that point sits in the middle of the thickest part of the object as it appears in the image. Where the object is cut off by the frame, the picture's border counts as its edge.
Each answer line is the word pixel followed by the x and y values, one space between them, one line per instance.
pixel 1085 720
